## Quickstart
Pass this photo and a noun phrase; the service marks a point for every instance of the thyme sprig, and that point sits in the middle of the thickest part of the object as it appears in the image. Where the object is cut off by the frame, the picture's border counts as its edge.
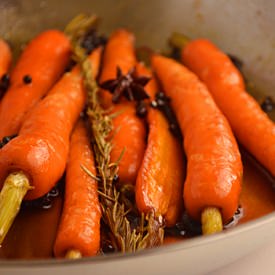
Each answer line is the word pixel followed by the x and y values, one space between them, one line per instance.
pixel 150 232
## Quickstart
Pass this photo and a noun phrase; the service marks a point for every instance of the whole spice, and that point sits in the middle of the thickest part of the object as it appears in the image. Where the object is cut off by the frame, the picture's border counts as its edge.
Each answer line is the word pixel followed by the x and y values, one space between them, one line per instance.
pixel 46 201
pixel 268 104
pixel 27 79
pixel 129 86
pixel 162 102
pixel 4 84
pixel 92 40
pixel 5 140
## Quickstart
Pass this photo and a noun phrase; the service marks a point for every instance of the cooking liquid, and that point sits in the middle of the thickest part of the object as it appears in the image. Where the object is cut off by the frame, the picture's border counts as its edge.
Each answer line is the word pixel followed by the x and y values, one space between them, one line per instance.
pixel 33 233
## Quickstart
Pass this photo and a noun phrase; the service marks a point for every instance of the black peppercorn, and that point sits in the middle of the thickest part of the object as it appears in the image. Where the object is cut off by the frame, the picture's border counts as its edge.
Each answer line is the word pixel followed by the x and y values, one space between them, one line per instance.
pixel 141 109
pixel 92 40
pixel 27 79
pixel 186 226
pixel 162 102
pixel 4 84
pixel 5 78
pixel 46 201
pixel 267 104
pixel 6 139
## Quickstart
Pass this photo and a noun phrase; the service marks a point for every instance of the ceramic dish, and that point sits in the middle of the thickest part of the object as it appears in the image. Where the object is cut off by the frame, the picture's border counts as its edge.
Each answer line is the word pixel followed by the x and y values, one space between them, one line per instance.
pixel 243 28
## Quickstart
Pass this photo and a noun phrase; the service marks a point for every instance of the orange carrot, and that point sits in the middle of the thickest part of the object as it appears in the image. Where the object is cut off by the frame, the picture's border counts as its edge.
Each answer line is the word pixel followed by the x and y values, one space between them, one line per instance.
pixel 40 65
pixel 79 228
pixel 214 167
pixel 129 133
pixel 160 177
pixel 41 148
pixel 223 72
pixel 5 57
pixel 251 125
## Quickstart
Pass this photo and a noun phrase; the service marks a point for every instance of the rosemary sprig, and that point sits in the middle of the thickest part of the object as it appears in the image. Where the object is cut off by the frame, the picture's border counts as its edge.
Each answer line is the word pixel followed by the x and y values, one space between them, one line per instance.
pixel 114 212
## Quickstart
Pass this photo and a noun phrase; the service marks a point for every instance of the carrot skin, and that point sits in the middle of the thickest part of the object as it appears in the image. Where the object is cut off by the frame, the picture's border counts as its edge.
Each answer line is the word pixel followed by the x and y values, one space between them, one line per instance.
pixel 214 167
pixel 252 127
pixel 129 130
pixel 161 175
pixel 80 221
pixel 5 57
pixel 223 72
pixel 44 59
pixel 129 136
pixel 41 148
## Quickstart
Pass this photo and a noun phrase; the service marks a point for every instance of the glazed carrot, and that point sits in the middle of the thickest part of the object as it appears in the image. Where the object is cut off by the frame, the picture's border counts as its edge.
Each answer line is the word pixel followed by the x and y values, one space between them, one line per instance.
pixel 42 62
pixel 79 228
pixel 119 52
pixel 5 57
pixel 250 124
pixel 129 138
pixel 228 77
pixel 161 175
pixel 129 133
pixel 214 167
pixel 40 150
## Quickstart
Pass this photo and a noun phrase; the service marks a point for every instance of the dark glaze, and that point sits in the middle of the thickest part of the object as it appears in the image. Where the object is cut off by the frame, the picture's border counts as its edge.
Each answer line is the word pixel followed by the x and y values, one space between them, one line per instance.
pixel 33 233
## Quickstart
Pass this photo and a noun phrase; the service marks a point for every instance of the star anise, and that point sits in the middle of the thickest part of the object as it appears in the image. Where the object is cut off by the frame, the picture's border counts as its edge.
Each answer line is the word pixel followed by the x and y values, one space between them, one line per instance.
pixel 129 86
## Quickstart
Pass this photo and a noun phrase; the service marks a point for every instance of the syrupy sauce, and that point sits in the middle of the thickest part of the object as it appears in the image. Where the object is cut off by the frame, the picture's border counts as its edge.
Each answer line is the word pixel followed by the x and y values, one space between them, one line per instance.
pixel 33 232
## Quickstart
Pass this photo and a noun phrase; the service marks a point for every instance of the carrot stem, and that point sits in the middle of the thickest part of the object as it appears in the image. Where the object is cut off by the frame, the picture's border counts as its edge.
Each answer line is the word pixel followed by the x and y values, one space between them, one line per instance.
pixel 14 189
pixel 73 254
pixel 178 40
pixel 211 220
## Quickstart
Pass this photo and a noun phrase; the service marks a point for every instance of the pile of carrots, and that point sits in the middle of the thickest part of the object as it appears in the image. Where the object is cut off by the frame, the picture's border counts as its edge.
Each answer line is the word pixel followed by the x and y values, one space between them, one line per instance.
pixel 41 119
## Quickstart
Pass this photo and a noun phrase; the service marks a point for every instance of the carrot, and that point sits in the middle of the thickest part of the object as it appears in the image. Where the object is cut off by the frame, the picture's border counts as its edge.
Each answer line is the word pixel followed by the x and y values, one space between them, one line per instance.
pixel 5 57
pixel 129 139
pixel 119 52
pixel 226 78
pixel 214 167
pixel 79 228
pixel 38 68
pixel 250 124
pixel 39 152
pixel 161 175
pixel 129 130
